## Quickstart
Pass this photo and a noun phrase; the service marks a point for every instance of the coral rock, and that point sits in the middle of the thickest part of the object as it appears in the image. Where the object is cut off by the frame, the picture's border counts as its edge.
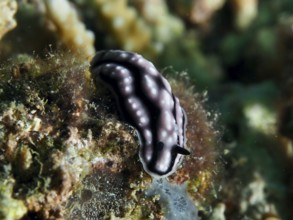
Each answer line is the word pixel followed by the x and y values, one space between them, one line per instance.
pixel 7 10
pixel 69 28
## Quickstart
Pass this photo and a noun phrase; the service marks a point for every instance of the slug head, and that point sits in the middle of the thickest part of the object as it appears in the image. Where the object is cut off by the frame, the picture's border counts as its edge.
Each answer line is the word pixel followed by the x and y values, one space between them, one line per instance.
pixel 165 160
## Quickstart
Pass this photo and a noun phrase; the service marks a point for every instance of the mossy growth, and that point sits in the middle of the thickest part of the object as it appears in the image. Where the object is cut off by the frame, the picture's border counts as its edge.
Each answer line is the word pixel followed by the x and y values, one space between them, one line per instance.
pixel 55 129
pixel 201 170
pixel 62 136
pixel 40 106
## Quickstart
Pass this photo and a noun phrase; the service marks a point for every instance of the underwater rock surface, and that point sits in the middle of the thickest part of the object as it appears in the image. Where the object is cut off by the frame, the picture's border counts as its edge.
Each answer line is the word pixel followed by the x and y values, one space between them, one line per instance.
pixel 63 145
pixel 229 62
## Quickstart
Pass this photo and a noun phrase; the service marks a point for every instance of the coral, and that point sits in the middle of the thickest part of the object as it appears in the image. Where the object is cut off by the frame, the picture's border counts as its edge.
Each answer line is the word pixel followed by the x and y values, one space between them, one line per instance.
pixel 245 12
pixel 7 10
pixel 198 11
pixel 251 137
pixel 52 144
pixel 218 212
pixel 254 200
pixel 254 196
pixel 71 30
pixel 19 40
pixel 10 208
pixel 261 118
pixel 164 26
pixel 193 180
pixel 59 133
pixel 140 26
pixel 123 23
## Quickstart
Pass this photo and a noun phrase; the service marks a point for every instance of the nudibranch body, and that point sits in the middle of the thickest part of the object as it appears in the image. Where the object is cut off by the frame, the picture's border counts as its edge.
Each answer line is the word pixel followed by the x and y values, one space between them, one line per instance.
pixel 147 103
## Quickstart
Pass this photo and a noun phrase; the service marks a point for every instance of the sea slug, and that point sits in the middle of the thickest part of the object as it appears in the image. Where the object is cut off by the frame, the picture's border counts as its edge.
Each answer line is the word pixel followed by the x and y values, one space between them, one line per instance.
pixel 146 102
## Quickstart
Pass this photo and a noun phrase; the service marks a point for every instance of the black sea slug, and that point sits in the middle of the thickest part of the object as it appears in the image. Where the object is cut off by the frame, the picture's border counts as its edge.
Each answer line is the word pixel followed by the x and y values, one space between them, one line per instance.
pixel 146 102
